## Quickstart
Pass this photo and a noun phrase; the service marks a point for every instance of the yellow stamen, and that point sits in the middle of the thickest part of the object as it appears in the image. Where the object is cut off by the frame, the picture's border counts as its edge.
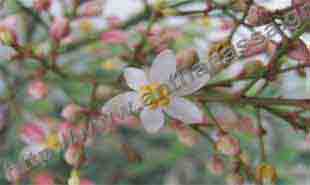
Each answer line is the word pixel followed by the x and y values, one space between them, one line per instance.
pixel 155 95
pixel 52 142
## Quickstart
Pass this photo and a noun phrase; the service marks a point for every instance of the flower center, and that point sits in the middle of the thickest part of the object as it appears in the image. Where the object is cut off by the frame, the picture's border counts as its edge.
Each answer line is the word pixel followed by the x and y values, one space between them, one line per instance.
pixel 53 142
pixel 155 95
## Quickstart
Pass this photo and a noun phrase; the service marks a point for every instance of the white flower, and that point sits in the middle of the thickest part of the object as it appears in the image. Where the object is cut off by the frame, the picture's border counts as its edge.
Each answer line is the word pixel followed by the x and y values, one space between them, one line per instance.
pixel 152 95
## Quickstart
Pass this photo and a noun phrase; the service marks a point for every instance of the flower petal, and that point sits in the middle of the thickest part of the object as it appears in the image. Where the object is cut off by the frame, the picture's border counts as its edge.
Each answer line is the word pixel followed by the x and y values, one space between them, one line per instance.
pixel 163 67
pixel 135 78
pixel 184 110
pixel 31 150
pixel 122 104
pixel 152 120
pixel 32 133
pixel 192 80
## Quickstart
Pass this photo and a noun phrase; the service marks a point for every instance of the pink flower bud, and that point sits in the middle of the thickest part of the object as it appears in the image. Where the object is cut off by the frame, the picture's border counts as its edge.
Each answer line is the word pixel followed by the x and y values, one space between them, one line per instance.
pixel 75 155
pixel 42 5
pixel 187 136
pixel 13 173
pixel 299 51
pixel 258 16
pixel 216 165
pixel 38 90
pixel 71 112
pixel 60 28
pixel 44 178
pixel 246 125
pixel 114 37
pixel 228 145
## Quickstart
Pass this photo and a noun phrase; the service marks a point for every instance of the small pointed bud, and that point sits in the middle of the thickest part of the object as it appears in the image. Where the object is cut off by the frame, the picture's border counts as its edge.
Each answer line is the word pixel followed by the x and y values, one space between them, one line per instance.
pixel 42 5
pixel 186 58
pixel 7 36
pixel 266 173
pixel 234 179
pixel 228 145
pixel 38 90
pixel 60 28
pixel 71 112
pixel 75 155
pixel 216 165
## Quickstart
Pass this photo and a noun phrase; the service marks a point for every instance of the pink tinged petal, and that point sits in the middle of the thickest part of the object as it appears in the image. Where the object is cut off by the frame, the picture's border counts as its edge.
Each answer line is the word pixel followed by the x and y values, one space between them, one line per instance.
pixel 9 22
pixel 60 28
pixel 184 110
pixel 163 67
pixel 299 2
pixel 299 52
pixel 31 150
pixel 32 133
pixel 125 120
pixel 135 78
pixel 152 120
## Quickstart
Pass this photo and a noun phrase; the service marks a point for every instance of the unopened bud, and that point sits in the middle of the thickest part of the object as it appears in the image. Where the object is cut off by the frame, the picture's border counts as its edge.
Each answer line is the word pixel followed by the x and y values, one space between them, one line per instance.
pixel 38 90
pixel 186 58
pixel 60 28
pixel 71 112
pixel 42 5
pixel 228 145
pixel 216 165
